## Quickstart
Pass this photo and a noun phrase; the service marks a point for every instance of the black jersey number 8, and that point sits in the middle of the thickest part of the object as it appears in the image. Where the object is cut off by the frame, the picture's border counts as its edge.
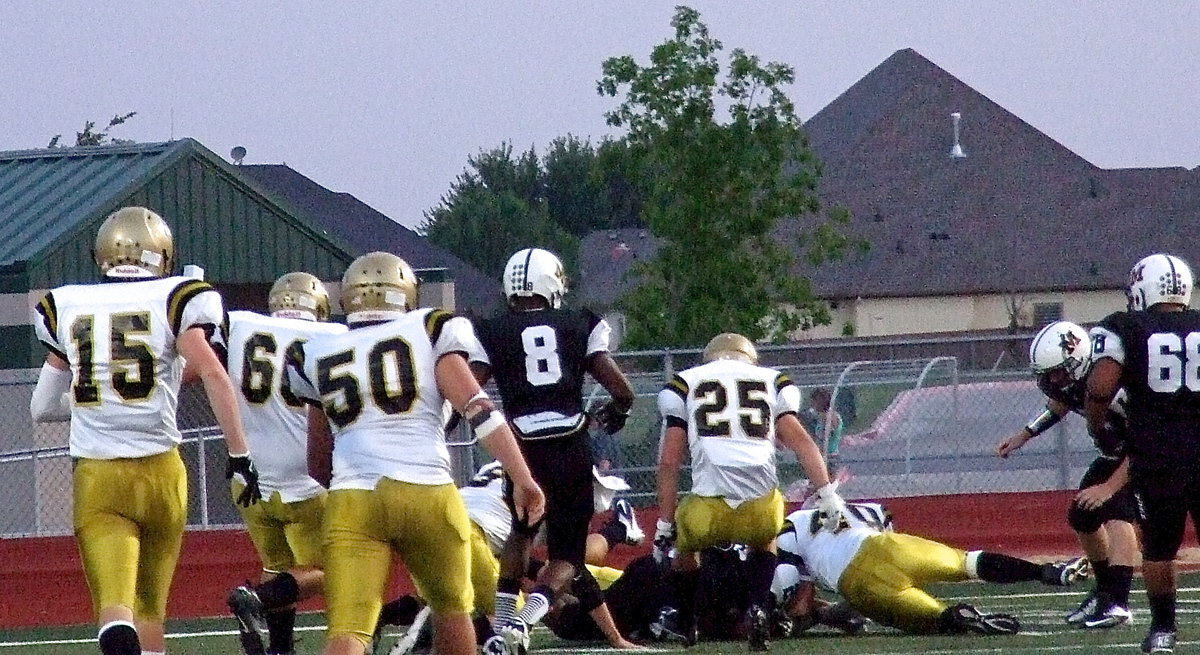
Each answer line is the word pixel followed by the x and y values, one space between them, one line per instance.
pixel 390 398
pixel 1172 363
pixel 752 409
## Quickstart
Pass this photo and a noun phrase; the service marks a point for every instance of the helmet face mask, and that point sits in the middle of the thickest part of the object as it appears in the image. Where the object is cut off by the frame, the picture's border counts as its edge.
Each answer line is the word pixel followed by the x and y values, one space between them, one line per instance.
pixel 299 295
pixel 730 345
pixel 1060 355
pixel 535 272
pixel 378 286
pixel 1159 278
pixel 134 242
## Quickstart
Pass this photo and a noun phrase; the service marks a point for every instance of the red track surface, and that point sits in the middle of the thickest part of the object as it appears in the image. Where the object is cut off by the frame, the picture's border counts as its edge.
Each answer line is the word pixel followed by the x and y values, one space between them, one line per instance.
pixel 43 581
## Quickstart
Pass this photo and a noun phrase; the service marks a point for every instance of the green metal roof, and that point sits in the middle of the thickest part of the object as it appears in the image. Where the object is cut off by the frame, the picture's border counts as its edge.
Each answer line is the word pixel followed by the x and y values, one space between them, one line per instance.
pixel 45 194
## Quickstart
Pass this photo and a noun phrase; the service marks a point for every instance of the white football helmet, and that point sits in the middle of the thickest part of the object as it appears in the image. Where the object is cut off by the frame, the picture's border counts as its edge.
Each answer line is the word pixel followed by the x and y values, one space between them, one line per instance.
pixel 1159 278
pixel 535 272
pixel 1064 346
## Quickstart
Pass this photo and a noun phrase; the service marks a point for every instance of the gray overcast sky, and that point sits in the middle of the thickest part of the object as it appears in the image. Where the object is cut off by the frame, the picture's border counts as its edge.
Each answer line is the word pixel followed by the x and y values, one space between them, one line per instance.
pixel 385 100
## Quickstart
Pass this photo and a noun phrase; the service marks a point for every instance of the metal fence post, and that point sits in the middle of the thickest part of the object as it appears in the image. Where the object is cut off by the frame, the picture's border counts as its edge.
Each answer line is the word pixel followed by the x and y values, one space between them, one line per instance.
pixel 202 477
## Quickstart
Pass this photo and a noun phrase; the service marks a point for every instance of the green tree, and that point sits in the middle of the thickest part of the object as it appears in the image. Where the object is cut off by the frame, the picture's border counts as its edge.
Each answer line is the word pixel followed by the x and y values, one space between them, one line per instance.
pixel 90 137
pixel 494 208
pixel 721 163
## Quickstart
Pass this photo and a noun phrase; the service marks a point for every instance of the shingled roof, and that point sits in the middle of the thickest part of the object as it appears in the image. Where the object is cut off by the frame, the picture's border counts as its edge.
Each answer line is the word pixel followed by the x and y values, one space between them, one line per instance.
pixel 369 230
pixel 1020 213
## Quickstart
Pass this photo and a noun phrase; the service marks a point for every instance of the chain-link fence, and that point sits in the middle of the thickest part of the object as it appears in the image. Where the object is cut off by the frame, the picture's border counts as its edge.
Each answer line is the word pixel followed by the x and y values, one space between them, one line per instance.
pixel 920 417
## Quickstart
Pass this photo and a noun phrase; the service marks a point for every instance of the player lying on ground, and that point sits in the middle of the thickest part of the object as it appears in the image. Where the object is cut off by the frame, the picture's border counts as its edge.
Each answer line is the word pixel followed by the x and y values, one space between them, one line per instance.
pixel 881 573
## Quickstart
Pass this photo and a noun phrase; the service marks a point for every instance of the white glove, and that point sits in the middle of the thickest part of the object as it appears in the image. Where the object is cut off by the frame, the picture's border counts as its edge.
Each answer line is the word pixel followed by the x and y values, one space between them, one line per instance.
pixel 664 541
pixel 832 507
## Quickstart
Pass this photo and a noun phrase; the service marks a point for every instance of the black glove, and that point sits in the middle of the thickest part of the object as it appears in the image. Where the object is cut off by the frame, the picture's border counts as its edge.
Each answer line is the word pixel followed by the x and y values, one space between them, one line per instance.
pixel 611 418
pixel 241 465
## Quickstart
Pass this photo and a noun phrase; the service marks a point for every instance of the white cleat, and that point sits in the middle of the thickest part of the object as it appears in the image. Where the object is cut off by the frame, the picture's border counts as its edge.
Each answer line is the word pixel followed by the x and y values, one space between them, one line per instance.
pixel 623 511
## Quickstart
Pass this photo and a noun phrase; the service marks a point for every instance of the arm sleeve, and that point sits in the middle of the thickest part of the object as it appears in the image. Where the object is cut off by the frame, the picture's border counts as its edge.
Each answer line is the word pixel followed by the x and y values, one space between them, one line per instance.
pixel 787 396
pixel 457 335
pixel 672 405
pixel 45 324
pixel 600 336
pixel 203 309
pixel 1107 343
pixel 49 401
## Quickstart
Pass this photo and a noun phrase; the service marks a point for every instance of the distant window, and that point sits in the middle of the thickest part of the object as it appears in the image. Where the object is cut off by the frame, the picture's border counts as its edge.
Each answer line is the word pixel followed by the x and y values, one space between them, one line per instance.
pixel 1045 313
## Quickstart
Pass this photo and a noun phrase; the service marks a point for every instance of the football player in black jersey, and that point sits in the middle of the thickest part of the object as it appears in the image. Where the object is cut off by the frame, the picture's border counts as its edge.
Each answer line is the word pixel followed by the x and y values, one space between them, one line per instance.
pixel 538 353
pixel 1152 351
pixel 1104 511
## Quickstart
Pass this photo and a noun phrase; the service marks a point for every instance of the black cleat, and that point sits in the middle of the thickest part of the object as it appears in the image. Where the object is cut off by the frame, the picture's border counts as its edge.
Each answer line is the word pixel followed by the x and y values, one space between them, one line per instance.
pixel 759 634
pixel 966 618
pixel 247 608
pixel 1159 641
pixel 1107 614
pixel 1085 609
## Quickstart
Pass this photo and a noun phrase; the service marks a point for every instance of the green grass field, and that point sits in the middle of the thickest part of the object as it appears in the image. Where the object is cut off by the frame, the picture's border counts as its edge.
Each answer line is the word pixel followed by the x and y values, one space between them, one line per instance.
pixel 1039 608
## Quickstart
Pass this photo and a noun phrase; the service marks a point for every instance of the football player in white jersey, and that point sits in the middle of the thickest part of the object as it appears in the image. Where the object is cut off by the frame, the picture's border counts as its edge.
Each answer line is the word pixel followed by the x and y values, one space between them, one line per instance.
pixel 377 439
pixel 286 526
pixel 117 351
pixel 881 572
pixel 729 413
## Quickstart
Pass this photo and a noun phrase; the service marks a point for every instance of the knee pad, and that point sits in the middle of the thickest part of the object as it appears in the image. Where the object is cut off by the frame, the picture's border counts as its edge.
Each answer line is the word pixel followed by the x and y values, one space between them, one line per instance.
pixel 1085 521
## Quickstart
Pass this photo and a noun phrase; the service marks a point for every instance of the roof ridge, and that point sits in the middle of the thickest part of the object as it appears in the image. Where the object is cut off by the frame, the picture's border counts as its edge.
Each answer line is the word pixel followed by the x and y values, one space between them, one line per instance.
pixel 86 151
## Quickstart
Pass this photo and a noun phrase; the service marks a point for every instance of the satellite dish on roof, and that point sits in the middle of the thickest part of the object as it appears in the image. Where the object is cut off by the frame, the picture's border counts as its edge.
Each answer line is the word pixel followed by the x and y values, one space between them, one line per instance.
pixel 237 154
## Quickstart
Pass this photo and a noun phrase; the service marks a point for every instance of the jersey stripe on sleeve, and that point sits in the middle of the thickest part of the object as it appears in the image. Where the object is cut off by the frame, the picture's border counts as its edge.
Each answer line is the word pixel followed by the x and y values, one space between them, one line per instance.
pixel 178 299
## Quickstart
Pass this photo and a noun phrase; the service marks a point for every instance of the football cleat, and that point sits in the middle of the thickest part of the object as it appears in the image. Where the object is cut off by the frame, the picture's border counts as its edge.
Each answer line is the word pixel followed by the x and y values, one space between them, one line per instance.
pixel 1159 641
pixel 966 618
pixel 515 634
pixel 1085 609
pixel 1107 614
pixel 247 608
pixel 759 633
pixel 669 627
pixel 623 512
pixel 1065 574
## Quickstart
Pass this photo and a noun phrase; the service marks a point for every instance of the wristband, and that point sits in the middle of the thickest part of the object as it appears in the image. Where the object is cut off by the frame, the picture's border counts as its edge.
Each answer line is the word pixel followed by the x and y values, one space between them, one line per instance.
pixel 1046 420
pixel 664 525
pixel 485 424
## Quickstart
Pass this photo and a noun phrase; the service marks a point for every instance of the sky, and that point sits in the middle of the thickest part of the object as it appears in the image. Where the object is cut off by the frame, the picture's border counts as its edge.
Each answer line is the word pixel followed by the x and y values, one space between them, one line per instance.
pixel 387 100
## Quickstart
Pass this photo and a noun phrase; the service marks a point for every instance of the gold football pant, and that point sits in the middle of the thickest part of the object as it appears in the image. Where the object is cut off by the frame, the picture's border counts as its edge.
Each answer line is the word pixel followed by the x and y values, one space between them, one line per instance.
pixel 884 580
pixel 704 521
pixel 286 535
pixel 485 571
pixel 426 525
pixel 129 517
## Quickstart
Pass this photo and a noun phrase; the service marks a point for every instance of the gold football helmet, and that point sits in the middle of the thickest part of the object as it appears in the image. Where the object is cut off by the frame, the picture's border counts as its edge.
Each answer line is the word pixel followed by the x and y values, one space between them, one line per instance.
pixel 730 345
pixel 134 242
pixel 378 286
pixel 299 295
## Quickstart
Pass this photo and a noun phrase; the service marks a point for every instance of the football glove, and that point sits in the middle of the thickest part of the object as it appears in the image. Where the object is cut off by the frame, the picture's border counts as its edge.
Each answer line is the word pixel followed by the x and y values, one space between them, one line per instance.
pixel 831 507
pixel 243 466
pixel 664 541
pixel 611 418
